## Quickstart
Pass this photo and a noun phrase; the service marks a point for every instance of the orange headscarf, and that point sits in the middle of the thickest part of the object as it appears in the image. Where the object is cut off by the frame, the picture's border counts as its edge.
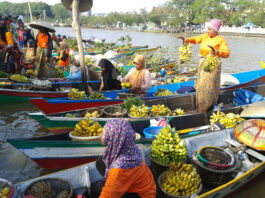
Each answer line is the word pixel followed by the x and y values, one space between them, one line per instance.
pixel 137 76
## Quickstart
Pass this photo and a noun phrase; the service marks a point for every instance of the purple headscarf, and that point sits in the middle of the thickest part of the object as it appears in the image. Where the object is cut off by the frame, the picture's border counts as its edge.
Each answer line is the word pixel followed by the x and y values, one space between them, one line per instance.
pixel 121 150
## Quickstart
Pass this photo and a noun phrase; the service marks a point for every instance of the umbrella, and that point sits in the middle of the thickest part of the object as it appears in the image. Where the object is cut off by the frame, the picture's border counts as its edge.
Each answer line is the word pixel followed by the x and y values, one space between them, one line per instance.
pixel 84 5
pixel 42 24
pixel 251 133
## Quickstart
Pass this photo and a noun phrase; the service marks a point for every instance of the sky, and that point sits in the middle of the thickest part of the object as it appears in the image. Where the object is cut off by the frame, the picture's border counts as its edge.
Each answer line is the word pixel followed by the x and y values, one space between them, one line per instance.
pixel 106 6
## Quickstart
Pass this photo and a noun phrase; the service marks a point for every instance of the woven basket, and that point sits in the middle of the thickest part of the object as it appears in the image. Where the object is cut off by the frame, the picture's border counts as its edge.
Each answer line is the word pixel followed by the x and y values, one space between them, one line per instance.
pixel 167 194
pixel 91 110
pixel 57 186
pixel 213 177
pixel 114 111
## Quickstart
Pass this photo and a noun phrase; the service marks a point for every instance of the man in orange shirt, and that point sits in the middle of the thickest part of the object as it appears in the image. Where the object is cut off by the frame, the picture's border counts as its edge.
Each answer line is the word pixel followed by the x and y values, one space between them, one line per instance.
pixel 43 54
pixel 64 58
pixel 126 171
pixel 208 83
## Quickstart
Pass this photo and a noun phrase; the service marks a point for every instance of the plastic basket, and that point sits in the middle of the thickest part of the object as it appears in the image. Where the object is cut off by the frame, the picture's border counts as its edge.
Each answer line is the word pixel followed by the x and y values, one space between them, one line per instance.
pixel 57 186
pixel 9 184
pixel 115 111
pixel 151 132
pixel 91 110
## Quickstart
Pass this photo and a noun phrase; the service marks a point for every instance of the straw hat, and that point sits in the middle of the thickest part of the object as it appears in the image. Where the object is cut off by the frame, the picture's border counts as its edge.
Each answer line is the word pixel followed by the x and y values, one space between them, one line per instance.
pixel 84 5
pixel 42 24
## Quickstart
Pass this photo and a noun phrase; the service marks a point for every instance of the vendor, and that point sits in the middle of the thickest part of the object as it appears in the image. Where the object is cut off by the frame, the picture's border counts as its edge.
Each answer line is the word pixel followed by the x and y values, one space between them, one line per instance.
pixel 43 54
pixel 208 83
pixel 139 77
pixel 64 58
pixel 110 76
pixel 125 170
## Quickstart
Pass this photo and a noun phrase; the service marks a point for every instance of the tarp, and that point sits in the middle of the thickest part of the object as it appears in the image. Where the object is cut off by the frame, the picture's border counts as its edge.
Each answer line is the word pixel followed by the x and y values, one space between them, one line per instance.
pixel 244 97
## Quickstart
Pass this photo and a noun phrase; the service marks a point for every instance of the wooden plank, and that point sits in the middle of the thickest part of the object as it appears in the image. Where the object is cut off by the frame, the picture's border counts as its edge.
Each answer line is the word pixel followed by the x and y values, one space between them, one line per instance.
pixel 248 151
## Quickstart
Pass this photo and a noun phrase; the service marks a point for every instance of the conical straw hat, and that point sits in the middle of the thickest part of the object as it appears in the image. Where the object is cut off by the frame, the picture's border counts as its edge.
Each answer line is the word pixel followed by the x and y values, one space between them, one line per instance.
pixel 255 110
pixel 84 5
pixel 42 24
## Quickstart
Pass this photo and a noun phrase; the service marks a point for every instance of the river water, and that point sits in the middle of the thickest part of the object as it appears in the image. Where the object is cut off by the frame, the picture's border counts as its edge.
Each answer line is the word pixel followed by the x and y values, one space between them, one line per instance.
pixel 246 52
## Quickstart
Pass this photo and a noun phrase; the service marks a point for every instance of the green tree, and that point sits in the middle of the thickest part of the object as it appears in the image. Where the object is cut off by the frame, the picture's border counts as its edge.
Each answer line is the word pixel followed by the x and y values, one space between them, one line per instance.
pixel 60 12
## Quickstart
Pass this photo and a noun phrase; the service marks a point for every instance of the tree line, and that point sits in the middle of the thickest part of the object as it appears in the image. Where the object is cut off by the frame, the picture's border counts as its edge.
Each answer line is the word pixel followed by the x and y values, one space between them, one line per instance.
pixel 174 13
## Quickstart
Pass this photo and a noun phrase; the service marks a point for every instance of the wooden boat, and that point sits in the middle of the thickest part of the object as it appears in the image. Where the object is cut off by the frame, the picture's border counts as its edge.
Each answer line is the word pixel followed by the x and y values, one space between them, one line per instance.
pixel 58 151
pixel 86 176
pixel 8 95
pixel 50 106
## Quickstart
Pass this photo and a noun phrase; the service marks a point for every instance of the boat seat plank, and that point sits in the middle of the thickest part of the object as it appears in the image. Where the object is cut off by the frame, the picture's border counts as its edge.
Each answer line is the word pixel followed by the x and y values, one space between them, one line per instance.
pixel 248 151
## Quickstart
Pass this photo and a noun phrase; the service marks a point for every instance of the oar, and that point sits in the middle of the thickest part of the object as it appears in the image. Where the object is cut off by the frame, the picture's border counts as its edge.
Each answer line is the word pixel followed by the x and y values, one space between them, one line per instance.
pixel 262 64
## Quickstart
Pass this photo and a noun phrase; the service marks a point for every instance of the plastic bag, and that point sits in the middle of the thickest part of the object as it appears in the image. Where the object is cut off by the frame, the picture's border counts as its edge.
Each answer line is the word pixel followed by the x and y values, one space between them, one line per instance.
pixel 244 97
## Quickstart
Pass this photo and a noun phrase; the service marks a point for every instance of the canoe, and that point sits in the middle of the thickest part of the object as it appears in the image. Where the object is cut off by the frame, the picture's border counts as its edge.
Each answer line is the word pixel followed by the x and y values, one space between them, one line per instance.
pixel 87 175
pixel 49 106
pixel 20 95
pixel 58 151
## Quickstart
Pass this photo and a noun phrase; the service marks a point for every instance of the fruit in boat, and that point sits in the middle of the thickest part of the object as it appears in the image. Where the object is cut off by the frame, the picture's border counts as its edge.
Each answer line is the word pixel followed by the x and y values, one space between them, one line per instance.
pixel 211 63
pixel 178 112
pixel 123 84
pixel 5 191
pixel 94 114
pixel 139 111
pixel 167 147
pixel 227 120
pixel 96 96
pixel 76 94
pixel 185 53
pixel 18 77
pixel 181 179
pixel 160 110
pixel 128 85
pixel 163 92
pixel 87 128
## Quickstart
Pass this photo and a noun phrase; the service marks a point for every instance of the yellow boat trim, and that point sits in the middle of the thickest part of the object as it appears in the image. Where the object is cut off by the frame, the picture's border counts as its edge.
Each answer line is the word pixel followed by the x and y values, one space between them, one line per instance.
pixel 146 50
pixel 232 181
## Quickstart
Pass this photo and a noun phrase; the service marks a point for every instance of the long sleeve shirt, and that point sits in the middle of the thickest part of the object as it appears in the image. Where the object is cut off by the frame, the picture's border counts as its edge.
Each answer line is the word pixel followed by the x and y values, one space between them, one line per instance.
pixel 135 180
pixel 218 42
pixel 146 84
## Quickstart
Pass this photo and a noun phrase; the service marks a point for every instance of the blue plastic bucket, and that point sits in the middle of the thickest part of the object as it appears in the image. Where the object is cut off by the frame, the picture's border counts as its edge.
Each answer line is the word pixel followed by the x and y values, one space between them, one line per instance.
pixel 151 132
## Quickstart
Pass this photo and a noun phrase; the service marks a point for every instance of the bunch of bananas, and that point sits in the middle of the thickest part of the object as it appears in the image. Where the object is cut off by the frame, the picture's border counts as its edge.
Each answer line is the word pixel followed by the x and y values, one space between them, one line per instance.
pixel 18 77
pixel 163 92
pixel 227 120
pixel 177 79
pixel 160 110
pixel 76 94
pixel 4 190
pixel 185 53
pixel 96 96
pixel 58 72
pixel 178 112
pixel 94 114
pixel 211 63
pixel 167 147
pixel 87 128
pixel 139 111
pixel 30 73
pixel 181 179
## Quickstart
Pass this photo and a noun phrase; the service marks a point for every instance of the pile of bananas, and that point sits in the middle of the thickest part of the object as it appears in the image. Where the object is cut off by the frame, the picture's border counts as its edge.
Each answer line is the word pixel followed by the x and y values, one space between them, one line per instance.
pixel 227 120
pixel 163 92
pixel 177 79
pixel 185 53
pixel 58 72
pixel 160 110
pixel 178 112
pixel 181 180
pixel 94 114
pixel 211 63
pixel 139 111
pixel 87 128
pixel 167 147
pixel 76 94
pixel 30 72
pixel 4 190
pixel 18 77
pixel 96 96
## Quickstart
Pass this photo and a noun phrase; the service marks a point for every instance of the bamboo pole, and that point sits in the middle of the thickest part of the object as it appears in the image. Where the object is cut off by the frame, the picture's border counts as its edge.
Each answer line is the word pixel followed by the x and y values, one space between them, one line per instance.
pixel 76 26
pixel 31 19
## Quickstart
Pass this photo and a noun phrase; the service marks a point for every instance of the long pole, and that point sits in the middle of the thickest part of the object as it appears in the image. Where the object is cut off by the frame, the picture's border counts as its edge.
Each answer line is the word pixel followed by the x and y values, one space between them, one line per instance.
pixel 76 26
pixel 31 19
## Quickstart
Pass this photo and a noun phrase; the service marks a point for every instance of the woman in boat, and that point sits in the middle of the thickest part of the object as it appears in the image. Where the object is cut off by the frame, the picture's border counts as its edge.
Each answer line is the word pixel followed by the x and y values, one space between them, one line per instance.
pixel 208 83
pixel 76 73
pixel 138 77
pixel 111 77
pixel 43 53
pixel 125 170
pixel 10 45
pixel 64 58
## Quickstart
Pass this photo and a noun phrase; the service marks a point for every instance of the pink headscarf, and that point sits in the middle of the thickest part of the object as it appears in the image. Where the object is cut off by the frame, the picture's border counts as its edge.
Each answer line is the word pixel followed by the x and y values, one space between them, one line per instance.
pixel 215 24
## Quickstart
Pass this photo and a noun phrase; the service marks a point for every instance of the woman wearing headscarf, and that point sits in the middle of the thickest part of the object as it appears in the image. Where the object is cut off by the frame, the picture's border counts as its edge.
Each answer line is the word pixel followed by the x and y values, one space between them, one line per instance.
pixel 110 76
pixel 208 83
pixel 126 171
pixel 139 77
pixel 64 58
